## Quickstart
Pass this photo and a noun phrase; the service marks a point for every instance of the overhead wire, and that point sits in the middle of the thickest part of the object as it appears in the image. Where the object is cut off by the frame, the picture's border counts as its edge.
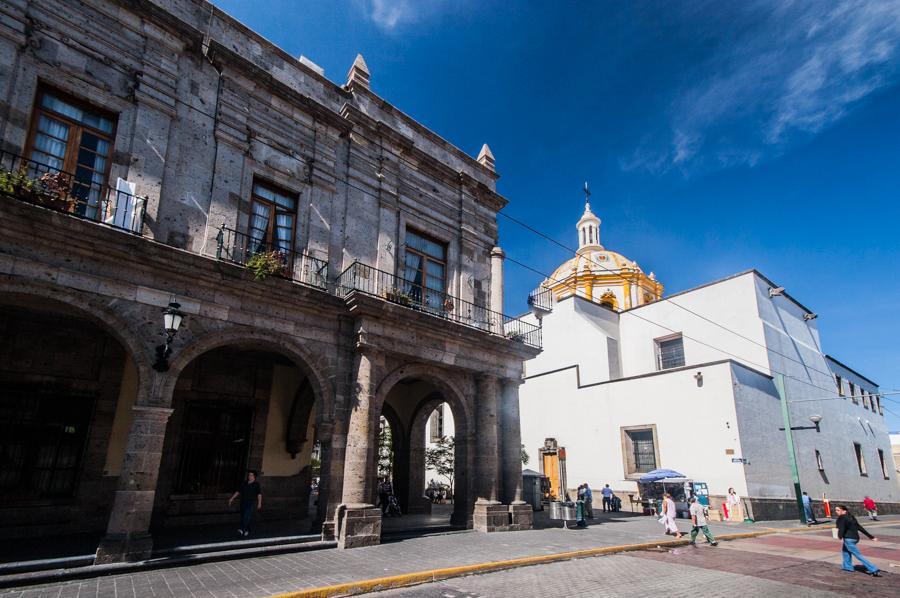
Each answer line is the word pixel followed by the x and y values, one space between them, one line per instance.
pixel 737 357
pixel 401 158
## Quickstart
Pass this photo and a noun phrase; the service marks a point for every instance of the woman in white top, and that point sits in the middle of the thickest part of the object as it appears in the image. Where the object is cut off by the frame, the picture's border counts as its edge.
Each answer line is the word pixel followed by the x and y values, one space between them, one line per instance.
pixel 668 516
pixel 735 511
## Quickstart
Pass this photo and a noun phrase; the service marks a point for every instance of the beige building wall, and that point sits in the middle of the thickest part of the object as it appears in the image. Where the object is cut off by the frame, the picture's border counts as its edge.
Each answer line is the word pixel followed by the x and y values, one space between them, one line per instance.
pixel 118 437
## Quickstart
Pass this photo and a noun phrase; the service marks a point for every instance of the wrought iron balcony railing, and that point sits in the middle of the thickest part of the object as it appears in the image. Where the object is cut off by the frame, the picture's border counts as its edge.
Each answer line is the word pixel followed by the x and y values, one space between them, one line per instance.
pixel 378 283
pixel 265 258
pixel 75 193
pixel 541 299
pixel 80 196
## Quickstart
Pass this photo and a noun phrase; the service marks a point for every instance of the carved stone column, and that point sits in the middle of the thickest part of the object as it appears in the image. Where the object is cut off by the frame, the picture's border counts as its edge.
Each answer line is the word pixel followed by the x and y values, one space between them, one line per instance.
pixel 128 531
pixel 358 521
pixel 490 515
pixel 521 515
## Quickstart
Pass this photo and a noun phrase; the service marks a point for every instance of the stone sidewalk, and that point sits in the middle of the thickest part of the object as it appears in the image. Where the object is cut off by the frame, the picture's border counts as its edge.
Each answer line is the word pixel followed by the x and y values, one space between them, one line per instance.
pixel 263 576
pixel 290 572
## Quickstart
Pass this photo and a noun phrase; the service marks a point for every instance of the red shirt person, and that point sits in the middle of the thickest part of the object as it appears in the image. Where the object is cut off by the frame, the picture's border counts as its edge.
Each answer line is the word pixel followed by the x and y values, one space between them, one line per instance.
pixel 871 508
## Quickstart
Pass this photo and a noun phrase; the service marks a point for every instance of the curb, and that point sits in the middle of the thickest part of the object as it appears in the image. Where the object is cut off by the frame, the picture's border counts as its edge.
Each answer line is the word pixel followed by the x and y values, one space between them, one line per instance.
pixel 420 577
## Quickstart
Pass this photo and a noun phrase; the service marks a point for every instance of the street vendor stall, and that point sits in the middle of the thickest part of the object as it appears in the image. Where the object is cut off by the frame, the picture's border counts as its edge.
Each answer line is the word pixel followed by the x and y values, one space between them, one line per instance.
pixel 654 484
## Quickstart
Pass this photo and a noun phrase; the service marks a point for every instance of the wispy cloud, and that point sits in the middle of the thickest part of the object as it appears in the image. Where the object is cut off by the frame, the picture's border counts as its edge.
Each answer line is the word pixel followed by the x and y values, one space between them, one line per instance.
pixel 804 66
pixel 387 14
pixel 391 15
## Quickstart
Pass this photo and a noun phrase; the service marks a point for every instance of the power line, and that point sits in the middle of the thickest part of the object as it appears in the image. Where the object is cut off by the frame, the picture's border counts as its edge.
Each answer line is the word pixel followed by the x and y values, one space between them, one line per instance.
pixel 738 357
pixel 400 158
pixel 664 299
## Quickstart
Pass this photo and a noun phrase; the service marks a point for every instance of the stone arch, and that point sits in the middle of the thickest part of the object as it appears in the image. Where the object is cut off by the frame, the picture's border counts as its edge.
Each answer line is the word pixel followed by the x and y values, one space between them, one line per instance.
pixel 90 307
pixel 453 394
pixel 316 369
pixel 448 391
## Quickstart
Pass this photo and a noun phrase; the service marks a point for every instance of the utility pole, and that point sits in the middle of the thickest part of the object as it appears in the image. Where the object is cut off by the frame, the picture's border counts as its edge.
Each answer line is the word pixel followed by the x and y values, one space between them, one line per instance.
pixel 792 455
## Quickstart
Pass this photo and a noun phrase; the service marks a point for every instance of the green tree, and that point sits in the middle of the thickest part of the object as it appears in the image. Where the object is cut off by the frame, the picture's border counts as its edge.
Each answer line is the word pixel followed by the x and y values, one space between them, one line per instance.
pixel 525 457
pixel 440 459
pixel 385 449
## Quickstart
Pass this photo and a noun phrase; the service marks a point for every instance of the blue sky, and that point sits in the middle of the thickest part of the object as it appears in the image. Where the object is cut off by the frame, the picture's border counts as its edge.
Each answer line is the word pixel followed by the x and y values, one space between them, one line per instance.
pixel 716 136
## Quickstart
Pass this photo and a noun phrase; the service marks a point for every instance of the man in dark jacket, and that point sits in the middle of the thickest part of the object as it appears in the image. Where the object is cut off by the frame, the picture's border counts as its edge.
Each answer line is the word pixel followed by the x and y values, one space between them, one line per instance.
pixel 250 494
pixel 848 531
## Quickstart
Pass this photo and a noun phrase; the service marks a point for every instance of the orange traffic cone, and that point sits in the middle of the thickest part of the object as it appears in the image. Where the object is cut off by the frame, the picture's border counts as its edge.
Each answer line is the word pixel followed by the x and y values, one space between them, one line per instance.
pixel 827 506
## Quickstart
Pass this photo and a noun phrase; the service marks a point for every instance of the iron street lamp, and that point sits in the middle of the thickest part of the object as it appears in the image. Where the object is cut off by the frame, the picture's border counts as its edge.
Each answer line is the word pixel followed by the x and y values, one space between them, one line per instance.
pixel 172 318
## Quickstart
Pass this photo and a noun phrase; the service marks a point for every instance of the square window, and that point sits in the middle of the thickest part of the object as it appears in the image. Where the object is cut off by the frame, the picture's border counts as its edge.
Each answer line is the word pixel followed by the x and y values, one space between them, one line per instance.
pixel 640 452
pixel 669 353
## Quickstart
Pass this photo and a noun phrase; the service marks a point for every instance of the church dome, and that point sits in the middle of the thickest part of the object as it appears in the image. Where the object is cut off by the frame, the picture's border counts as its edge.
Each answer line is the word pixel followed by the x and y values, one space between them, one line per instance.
pixel 601 275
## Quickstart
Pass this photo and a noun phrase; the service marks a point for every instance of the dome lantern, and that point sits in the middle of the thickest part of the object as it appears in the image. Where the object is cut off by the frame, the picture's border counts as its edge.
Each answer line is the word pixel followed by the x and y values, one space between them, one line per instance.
pixel 589 225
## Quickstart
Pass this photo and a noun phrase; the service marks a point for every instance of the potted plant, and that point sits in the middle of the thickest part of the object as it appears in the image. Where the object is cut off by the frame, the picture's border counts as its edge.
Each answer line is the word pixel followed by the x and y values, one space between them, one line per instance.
pixel 18 183
pixel 56 187
pixel 396 295
pixel 267 264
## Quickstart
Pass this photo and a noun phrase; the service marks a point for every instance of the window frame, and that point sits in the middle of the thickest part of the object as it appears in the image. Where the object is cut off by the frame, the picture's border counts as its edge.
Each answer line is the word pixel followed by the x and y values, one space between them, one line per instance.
pixel 275 208
pixel 73 143
pixel 860 460
pixel 423 288
pixel 840 385
pixel 853 396
pixel 884 468
pixel 436 424
pixel 629 465
pixel 657 344
pixel 820 463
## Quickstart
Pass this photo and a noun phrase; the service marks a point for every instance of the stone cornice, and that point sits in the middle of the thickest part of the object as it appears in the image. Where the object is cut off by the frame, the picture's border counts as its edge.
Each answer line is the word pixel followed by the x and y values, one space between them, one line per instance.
pixel 385 326
pixel 227 57
pixel 433 137
pixel 452 178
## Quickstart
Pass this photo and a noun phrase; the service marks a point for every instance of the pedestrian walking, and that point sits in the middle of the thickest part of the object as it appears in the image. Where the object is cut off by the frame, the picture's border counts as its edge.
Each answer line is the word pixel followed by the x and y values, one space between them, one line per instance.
pixel 251 497
pixel 588 501
pixel 871 508
pixel 668 516
pixel 607 495
pixel 848 529
pixel 807 510
pixel 735 509
pixel 385 490
pixel 700 522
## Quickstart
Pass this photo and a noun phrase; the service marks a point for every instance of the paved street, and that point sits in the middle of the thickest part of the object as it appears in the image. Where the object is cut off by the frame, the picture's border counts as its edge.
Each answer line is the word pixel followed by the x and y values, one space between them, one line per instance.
pixel 803 562
pixel 798 565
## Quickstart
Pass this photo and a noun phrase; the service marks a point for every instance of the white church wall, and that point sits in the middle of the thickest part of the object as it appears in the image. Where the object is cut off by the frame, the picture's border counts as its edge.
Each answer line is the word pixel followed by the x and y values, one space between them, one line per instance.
pixel 730 304
pixel 695 425
pixel 575 333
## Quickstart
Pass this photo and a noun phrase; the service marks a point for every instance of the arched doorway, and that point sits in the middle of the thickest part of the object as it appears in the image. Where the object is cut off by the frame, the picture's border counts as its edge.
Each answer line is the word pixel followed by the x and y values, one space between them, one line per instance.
pixel 68 382
pixel 238 407
pixel 407 406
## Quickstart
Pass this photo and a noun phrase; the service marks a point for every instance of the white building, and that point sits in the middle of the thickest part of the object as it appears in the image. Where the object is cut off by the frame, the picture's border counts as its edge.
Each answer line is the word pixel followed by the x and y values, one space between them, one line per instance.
pixel 628 383
pixel 440 424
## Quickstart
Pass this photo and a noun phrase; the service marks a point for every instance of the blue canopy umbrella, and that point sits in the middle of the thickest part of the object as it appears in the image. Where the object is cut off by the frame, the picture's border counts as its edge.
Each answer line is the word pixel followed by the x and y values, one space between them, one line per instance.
pixel 660 474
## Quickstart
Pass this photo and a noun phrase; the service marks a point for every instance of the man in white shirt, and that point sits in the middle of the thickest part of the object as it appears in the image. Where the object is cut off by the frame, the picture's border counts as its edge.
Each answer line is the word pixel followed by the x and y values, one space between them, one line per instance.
pixel 700 521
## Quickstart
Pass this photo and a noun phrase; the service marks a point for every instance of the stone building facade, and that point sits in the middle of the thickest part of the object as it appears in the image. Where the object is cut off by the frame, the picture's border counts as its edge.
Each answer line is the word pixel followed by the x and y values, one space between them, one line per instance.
pixel 335 260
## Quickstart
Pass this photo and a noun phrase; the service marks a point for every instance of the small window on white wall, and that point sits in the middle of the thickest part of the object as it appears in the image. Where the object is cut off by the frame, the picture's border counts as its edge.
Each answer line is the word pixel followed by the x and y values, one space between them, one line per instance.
pixel 819 463
pixel 669 353
pixel 860 459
